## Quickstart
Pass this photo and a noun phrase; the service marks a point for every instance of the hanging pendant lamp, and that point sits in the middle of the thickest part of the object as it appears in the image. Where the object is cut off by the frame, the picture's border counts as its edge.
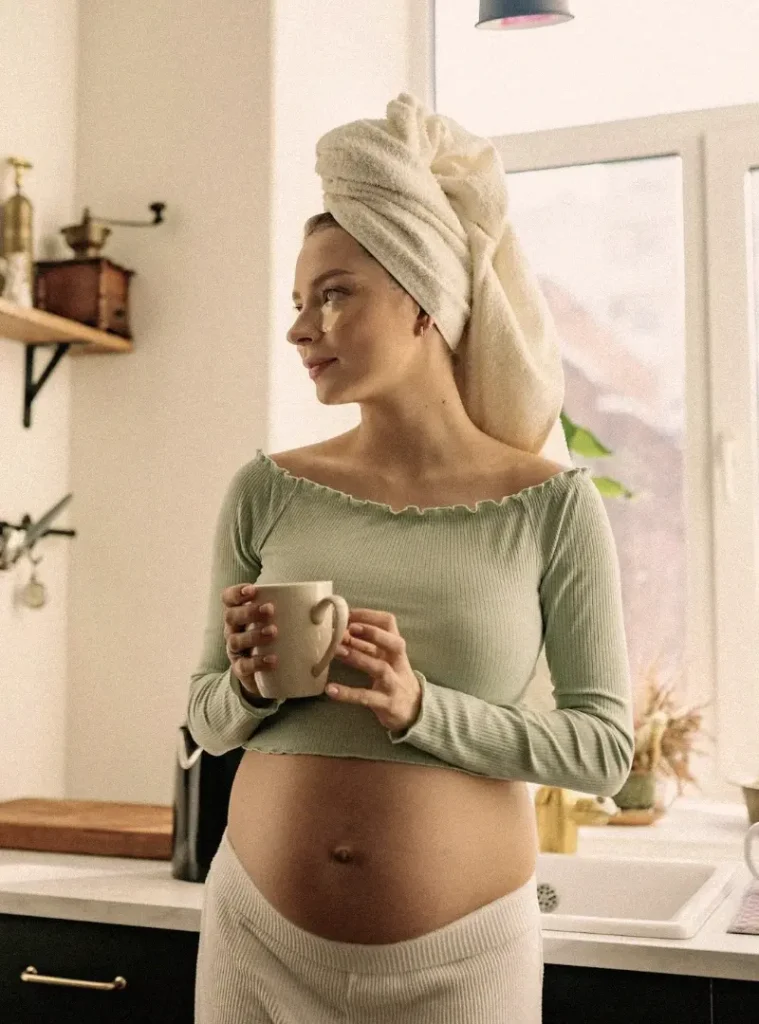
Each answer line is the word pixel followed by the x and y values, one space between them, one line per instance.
pixel 514 14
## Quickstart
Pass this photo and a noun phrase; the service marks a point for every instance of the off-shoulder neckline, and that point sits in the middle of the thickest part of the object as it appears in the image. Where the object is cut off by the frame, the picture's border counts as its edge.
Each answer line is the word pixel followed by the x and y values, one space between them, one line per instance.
pixel 526 493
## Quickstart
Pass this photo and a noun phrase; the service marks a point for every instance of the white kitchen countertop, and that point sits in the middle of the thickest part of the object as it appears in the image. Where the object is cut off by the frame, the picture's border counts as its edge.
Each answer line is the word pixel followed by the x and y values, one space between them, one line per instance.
pixel 127 891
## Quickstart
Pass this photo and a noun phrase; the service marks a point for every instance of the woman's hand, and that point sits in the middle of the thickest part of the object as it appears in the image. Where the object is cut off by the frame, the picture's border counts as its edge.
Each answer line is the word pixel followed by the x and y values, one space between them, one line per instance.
pixel 247 626
pixel 377 648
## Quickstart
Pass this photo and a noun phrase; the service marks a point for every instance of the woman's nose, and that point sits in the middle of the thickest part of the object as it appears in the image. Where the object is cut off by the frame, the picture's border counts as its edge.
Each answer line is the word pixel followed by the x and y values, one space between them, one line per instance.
pixel 305 328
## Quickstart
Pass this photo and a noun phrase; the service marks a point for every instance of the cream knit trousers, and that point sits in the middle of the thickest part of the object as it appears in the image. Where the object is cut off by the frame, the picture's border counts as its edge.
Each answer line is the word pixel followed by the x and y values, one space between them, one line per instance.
pixel 257 967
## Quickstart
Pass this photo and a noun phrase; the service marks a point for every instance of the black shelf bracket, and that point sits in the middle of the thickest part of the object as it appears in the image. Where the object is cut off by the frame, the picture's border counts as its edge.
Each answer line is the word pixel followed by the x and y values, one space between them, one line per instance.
pixel 31 387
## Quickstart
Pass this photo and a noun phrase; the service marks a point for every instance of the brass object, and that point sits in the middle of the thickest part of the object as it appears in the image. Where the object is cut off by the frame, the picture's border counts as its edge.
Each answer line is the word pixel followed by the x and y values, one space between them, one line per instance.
pixel 559 811
pixel 89 236
pixel 17 253
pixel 751 798
pixel 17 215
pixel 34 593
pixel 31 974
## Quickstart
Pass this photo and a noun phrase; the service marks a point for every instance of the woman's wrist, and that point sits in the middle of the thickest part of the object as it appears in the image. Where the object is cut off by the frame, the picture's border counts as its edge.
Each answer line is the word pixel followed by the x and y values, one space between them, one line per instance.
pixel 252 697
pixel 256 702
pixel 255 699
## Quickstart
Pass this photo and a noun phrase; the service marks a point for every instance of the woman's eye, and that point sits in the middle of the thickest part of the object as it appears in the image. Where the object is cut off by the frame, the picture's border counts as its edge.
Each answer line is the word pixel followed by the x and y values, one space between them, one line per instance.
pixel 326 292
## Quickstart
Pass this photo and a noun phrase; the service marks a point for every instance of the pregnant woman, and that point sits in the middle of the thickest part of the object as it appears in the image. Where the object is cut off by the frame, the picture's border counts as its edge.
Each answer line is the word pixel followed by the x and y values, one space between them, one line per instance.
pixel 379 859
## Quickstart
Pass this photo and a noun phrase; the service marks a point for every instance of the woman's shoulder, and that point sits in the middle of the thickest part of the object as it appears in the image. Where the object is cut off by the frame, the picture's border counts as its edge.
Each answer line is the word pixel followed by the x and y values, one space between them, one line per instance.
pixel 526 470
pixel 298 461
pixel 265 475
pixel 323 462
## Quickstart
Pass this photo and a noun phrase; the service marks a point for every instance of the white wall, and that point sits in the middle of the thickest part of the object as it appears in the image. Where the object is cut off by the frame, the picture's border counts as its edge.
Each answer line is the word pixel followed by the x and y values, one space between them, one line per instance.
pixel 218 117
pixel 618 59
pixel 186 118
pixel 331 59
pixel 38 90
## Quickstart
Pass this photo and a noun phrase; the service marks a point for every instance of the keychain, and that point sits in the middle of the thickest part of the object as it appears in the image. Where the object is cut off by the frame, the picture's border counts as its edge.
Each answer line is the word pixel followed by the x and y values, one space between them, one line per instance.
pixel 34 594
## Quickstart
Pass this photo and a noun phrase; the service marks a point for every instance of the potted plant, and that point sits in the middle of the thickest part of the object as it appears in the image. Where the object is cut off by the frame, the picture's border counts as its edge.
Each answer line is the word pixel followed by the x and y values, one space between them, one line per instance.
pixel 665 735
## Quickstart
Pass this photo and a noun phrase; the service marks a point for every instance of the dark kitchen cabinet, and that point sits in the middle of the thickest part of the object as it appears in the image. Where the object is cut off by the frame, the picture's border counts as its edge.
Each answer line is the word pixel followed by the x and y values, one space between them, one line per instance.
pixel 735 1001
pixel 585 995
pixel 158 965
pixel 159 968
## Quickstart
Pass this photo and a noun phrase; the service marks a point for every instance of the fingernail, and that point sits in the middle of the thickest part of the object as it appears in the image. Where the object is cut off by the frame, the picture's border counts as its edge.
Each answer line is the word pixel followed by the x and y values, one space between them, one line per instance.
pixel 342 649
pixel 267 630
pixel 270 659
pixel 248 590
pixel 267 608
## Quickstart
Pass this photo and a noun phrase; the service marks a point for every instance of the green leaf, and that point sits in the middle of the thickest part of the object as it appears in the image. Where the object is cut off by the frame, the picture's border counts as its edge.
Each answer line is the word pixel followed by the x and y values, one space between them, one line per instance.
pixel 610 488
pixel 583 441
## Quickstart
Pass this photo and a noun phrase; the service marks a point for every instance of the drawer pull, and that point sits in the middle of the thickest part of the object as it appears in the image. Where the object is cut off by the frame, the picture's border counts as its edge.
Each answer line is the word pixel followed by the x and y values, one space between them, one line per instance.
pixel 30 974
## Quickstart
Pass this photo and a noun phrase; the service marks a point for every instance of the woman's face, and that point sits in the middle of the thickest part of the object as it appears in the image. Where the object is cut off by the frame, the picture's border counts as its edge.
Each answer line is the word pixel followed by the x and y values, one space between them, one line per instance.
pixel 363 319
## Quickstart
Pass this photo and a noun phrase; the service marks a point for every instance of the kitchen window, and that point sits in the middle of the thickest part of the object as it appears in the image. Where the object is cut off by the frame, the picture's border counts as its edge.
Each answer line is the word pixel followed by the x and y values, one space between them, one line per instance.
pixel 644 233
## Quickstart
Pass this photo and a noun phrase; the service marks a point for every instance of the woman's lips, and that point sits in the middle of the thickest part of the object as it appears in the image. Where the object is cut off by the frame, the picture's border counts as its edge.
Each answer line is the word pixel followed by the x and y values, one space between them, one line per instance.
pixel 314 371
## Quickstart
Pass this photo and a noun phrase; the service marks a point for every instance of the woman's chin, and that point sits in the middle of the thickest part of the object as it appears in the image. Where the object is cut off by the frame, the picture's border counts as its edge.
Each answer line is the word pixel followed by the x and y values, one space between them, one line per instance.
pixel 331 395
pixel 333 399
pixel 328 393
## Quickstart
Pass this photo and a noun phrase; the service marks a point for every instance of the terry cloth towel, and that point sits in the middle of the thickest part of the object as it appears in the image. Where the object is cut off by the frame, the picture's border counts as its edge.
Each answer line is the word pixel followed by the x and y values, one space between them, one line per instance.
pixel 746 920
pixel 428 200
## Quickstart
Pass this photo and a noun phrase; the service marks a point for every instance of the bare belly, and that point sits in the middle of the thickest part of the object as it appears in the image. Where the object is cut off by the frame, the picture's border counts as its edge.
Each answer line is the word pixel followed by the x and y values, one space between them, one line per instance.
pixel 377 851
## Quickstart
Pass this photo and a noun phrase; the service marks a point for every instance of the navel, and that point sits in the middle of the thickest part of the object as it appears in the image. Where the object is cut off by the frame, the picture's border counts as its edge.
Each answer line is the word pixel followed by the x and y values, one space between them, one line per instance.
pixel 343 854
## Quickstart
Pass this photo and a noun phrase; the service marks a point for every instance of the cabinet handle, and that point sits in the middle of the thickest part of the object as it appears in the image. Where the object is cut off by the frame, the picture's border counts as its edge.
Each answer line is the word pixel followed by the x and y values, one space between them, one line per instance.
pixel 30 974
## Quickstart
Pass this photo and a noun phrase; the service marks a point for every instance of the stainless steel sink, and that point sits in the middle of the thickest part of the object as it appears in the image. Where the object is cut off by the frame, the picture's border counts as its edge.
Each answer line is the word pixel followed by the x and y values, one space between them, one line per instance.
pixel 658 898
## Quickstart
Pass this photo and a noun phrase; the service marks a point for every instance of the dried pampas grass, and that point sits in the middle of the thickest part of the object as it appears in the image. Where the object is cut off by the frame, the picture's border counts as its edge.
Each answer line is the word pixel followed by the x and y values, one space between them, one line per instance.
pixel 666 730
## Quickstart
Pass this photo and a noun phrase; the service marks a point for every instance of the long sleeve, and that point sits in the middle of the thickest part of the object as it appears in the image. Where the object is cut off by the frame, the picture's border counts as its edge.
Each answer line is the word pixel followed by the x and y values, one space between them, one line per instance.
pixel 587 742
pixel 218 716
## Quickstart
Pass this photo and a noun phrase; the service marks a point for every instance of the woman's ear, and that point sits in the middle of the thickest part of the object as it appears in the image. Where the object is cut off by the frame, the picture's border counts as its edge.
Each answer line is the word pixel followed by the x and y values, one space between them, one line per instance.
pixel 423 322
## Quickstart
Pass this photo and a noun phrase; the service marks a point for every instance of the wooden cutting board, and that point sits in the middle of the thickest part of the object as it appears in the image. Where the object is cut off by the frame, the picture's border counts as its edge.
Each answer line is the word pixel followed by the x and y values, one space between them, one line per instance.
pixel 87 826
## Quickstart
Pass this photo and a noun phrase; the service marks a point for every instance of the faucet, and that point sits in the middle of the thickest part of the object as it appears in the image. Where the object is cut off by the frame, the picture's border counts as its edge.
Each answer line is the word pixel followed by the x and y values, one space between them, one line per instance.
pixel 559 812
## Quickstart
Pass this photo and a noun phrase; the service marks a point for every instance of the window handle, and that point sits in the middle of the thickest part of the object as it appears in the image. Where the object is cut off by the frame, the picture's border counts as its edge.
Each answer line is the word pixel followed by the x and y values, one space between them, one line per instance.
pixel 726 464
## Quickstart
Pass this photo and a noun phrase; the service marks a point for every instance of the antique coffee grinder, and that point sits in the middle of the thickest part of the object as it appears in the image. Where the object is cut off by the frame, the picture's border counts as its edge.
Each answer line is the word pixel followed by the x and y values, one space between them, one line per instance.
pixel 90 288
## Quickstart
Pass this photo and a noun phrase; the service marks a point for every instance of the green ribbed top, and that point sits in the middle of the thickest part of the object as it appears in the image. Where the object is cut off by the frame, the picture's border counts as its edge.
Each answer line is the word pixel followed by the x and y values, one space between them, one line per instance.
pixel 476 593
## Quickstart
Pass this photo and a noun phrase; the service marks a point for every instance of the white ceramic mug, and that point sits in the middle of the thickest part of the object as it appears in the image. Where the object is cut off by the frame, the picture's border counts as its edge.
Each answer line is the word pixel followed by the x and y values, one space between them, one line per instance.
pixel 307 637
pixel 753 833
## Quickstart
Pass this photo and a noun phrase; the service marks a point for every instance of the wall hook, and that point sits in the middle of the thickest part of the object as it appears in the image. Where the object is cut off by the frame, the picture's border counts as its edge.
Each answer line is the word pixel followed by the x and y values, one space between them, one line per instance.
pixel 32 533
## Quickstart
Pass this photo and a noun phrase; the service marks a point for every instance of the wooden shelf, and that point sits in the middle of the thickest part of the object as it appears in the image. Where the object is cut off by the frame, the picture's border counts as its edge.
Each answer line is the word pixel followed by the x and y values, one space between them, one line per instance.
pixel 36 327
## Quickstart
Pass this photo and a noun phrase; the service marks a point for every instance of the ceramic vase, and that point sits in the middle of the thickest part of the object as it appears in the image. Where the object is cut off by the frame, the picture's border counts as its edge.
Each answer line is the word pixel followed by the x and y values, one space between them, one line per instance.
pixel 639 791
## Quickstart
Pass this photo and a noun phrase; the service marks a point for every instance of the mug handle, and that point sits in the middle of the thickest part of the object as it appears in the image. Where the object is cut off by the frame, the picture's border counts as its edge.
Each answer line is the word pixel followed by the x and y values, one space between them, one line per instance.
pixel 752 833
pixel 341 624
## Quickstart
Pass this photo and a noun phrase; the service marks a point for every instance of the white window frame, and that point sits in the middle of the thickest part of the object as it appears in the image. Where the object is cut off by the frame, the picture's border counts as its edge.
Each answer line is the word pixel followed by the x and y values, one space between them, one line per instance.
pixel 717 148
pixel 729 156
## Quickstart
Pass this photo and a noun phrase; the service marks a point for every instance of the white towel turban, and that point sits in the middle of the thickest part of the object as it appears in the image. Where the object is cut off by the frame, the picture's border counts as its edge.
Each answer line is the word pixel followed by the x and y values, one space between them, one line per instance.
pixel 428 200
